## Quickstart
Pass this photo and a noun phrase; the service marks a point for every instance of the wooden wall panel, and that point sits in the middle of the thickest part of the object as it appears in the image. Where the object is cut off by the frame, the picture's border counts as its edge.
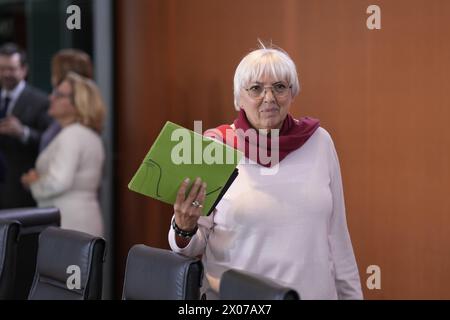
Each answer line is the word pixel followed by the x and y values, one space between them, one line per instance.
pixel 382 94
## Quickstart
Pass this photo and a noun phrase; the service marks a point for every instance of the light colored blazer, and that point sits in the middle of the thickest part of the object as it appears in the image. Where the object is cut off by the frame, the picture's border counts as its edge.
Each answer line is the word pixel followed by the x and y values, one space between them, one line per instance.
pixel 70 171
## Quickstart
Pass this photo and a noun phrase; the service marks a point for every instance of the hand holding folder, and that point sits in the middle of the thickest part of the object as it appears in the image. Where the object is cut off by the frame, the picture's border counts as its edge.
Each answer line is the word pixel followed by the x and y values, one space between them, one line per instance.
pixel 180 153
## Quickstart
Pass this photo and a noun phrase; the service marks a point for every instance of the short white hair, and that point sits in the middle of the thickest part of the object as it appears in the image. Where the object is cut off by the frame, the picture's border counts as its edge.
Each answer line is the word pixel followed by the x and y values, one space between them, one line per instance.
pixel 261 62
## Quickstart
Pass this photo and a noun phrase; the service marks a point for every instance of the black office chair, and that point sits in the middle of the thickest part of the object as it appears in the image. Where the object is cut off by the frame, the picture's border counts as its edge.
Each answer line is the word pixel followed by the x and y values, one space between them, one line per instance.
pixel 157 274
pixel 9 233
pixel 32 222
pixel 69 266
pixel 241 285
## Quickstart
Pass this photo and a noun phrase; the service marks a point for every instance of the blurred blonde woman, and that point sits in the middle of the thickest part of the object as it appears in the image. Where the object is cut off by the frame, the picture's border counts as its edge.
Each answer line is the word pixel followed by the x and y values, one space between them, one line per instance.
pixel 68 172
pixel 63 62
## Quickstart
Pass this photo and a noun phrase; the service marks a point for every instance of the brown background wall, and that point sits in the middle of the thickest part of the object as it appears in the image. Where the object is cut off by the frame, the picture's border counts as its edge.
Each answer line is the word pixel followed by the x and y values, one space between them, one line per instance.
pixel 382 94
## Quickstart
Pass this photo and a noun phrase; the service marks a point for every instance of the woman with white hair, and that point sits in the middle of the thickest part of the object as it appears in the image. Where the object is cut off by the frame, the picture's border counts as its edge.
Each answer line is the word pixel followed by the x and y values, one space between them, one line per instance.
pixel 288 224
pixel 68 172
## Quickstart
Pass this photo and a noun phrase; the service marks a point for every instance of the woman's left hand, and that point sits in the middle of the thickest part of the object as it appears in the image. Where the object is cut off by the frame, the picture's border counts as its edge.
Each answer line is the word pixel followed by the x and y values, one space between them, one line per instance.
pixel 29 178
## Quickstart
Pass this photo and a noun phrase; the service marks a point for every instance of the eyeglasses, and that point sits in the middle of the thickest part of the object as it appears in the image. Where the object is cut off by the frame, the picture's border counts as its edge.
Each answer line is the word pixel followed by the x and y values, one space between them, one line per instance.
pixel 57 94
pixel 279 90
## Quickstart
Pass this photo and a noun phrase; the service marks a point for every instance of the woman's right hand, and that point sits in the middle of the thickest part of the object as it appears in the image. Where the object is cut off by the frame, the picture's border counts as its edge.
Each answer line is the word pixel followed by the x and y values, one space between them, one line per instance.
pixel 186 214
pixel 29 178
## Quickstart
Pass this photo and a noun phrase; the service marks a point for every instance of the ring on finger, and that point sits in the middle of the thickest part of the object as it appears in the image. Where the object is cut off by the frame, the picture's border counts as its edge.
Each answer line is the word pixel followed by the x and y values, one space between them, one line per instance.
pixel 197 204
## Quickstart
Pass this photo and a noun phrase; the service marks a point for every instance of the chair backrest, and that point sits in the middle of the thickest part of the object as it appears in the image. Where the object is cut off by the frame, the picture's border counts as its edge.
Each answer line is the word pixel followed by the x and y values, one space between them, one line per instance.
pixel 158 274
pixel 69 266
pixel 9 233
pixel 241 285
pixel 32 222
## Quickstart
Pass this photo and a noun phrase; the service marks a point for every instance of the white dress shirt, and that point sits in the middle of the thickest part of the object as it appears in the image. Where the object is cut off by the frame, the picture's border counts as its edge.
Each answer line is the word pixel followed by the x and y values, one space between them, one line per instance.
pixel 14 94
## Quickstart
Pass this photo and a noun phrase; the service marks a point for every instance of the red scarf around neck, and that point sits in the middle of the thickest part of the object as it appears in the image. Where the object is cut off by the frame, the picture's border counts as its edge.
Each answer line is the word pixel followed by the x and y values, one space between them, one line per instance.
pixel 292 135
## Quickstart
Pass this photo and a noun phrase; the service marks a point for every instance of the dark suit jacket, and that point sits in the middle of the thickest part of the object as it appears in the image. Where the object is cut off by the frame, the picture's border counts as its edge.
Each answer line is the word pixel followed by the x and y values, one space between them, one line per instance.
pixel 31 109
pixel 2 168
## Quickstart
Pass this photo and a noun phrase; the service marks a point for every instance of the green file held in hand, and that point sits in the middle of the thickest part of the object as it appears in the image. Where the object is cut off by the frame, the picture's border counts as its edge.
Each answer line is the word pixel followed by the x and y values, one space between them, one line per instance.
pixel 179 153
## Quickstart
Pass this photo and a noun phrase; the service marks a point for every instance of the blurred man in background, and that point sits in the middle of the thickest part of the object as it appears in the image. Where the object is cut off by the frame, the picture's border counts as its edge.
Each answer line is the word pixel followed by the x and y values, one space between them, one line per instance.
pixel 23 118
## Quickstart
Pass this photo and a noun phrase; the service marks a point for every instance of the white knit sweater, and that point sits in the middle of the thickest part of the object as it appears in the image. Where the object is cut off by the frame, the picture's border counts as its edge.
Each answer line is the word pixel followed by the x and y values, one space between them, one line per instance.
pixel 290 226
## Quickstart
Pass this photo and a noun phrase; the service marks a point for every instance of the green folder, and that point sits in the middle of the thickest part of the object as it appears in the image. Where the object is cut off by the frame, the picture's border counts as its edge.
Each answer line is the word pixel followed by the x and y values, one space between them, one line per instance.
pixel 178 153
